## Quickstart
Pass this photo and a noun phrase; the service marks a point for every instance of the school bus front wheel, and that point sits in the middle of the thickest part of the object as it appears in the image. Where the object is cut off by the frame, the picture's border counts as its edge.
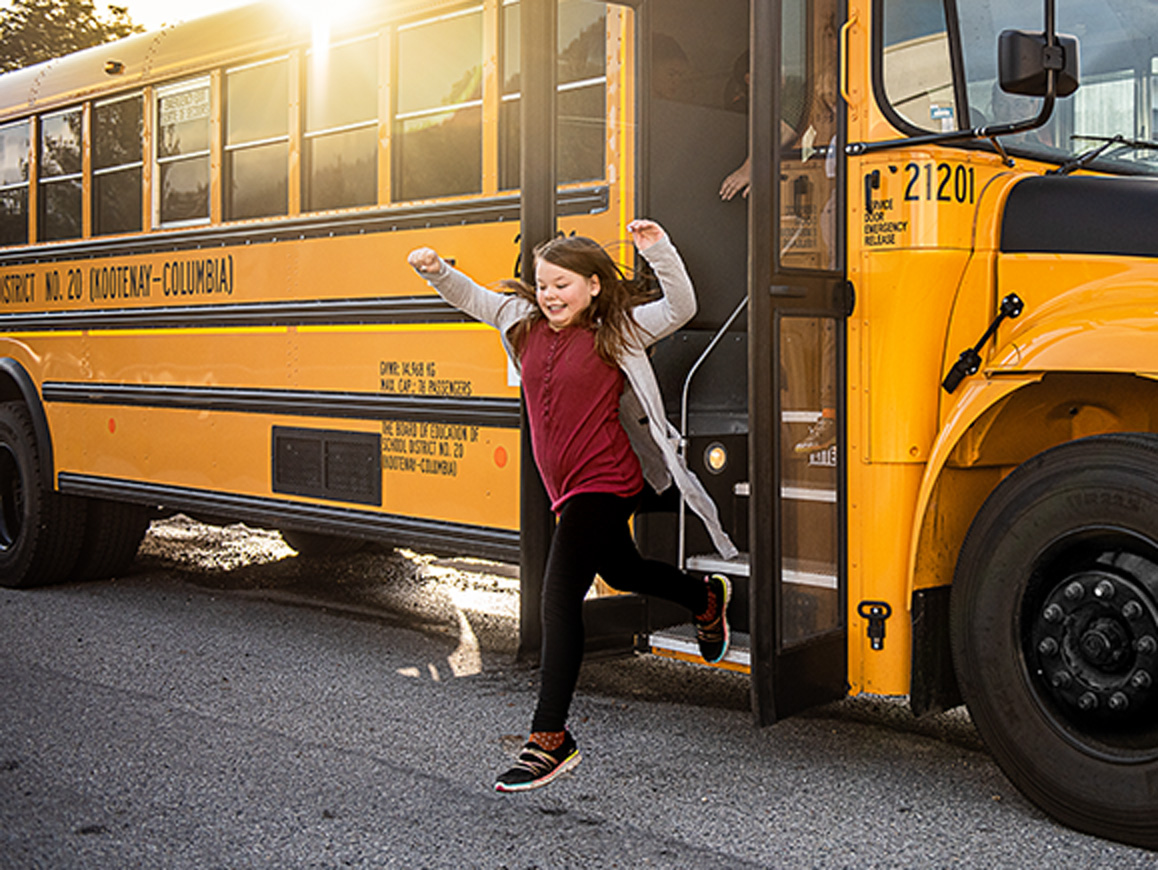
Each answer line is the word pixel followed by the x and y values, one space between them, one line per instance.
pixel 1054 623
pixel 41 531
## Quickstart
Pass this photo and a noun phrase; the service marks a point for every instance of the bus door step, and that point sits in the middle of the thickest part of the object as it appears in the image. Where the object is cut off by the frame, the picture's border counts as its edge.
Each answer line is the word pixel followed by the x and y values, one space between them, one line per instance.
pixel 679 642
pixel 715 564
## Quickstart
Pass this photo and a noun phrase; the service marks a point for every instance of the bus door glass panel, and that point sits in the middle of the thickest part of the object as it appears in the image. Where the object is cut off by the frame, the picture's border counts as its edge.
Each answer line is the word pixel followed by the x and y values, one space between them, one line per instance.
pixel 257 140
pixel 438 115
pixel 60 175
pixel 341 127
pixel 809 242
pixel 14 166
pixel 581 101
pixel 117 164
pixel 183 117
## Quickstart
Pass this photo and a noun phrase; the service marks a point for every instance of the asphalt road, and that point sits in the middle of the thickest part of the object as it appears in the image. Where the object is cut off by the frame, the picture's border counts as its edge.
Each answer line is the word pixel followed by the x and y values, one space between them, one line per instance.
pixel 280 712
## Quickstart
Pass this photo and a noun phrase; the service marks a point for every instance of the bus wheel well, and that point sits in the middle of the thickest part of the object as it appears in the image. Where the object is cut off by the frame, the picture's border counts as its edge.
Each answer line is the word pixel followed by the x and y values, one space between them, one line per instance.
pixel 1061 407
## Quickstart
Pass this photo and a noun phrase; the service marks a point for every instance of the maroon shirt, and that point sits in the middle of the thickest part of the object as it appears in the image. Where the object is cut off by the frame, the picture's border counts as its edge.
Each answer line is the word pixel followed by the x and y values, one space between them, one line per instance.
pixel 573 408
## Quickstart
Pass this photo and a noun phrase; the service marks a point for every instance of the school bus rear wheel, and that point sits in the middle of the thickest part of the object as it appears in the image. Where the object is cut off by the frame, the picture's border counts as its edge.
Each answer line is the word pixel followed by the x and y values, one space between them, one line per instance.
pixel 1054 623
pixel 40 530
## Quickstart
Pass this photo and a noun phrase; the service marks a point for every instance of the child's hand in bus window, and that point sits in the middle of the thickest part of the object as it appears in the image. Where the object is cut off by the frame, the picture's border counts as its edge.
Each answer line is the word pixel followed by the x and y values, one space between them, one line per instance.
pixel 645 233
pixel 424 260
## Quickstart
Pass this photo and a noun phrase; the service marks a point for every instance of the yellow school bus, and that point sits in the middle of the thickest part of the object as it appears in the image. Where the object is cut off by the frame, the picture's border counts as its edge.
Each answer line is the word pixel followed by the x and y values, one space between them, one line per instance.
pixel 920 384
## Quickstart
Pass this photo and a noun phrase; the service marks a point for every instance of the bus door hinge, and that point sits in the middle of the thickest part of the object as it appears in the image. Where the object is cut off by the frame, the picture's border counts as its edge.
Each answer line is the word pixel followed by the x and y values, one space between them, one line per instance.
pixel 876 612
pixel 970 360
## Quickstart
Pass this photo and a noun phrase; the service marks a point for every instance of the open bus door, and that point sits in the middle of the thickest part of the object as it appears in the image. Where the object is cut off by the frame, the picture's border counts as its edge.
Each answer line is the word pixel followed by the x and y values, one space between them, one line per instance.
pixel 799 299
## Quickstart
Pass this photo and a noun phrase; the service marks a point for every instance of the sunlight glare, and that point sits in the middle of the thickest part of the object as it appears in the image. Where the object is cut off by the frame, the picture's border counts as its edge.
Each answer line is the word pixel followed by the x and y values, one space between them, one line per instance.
pixel 325 17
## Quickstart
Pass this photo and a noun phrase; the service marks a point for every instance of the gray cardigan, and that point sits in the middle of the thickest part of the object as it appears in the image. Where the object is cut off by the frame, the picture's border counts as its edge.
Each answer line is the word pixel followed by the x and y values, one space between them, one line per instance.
pixel 641 410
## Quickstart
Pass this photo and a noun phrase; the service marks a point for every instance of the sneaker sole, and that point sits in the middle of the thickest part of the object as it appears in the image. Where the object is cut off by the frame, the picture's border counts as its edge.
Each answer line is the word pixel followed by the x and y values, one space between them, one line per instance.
pixel 567 764
pixel 727 628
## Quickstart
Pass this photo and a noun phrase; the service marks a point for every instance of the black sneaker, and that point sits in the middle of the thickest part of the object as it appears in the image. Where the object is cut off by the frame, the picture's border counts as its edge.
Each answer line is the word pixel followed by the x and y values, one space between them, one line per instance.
pixel 538 766
pixel 713 636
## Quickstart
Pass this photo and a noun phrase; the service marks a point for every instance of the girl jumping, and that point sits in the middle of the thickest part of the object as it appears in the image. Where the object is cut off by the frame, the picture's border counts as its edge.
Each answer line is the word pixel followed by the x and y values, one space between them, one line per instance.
pixel 598 431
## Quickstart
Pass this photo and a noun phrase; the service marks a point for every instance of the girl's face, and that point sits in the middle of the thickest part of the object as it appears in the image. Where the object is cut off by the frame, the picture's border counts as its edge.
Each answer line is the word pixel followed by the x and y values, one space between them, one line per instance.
pixel 562 294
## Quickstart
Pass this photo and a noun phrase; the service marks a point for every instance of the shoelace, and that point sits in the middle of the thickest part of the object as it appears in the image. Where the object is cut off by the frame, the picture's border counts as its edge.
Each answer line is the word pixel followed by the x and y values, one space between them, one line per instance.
pixel 536 761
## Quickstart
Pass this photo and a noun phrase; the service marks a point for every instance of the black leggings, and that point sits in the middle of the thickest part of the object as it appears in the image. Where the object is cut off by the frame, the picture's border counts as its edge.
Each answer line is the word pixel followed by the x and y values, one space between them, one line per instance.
pixel 592 536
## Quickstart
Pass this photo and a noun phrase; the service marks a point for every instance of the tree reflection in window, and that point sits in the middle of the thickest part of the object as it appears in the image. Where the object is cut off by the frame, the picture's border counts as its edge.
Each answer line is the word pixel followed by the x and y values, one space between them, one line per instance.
pixel 14 165
pixel 117 165
pixel 60 176
pixel 341 148
pixel 581 104
pixel 438 122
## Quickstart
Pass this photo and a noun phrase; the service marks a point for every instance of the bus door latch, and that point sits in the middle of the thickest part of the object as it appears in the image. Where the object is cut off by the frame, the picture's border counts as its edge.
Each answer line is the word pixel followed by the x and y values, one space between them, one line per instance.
pixel 876 612
pixel 970 360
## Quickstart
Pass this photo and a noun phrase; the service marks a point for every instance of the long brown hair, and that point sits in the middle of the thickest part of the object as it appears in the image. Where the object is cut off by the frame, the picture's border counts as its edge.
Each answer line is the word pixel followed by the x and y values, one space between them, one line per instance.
pixel 609 314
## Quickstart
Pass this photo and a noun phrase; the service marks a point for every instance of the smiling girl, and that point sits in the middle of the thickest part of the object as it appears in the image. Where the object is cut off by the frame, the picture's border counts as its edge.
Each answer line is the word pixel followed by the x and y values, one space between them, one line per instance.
pixel 598 432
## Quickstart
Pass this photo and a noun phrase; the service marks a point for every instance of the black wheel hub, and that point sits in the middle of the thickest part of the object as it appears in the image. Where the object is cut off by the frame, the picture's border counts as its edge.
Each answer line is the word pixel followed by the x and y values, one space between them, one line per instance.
pixel 1094 639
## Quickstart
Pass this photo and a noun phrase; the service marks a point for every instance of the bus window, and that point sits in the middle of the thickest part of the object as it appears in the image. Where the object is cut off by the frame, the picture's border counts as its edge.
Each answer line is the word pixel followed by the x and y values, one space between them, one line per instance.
pixel 257 140
pixel 14 145
pixel 582 93
pixel 60 176
pixel 341 151
pixel 438 124
pixel 116 166
pixel 183 152
pixel 918 75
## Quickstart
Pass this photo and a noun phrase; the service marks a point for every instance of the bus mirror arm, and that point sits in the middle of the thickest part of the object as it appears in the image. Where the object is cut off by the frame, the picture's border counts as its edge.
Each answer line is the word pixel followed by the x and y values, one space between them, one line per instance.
pixel 970 359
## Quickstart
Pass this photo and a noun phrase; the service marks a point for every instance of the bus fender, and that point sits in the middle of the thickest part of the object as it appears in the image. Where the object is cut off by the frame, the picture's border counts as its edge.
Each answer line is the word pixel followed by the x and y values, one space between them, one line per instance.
pixel 17 384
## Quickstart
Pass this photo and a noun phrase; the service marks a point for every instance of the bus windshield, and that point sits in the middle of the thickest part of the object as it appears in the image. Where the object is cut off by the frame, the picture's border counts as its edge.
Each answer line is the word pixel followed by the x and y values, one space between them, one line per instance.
pixel 1119 76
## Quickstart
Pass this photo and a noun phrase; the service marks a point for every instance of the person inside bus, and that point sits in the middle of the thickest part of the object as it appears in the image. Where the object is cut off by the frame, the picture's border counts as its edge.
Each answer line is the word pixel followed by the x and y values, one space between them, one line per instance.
pixel 670 67
pixel 736 93
pixel 598 433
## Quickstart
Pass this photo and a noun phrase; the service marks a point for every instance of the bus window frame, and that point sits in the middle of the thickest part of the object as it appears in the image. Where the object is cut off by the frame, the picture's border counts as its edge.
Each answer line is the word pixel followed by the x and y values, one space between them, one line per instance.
pixel 101 171
pixel 963 110
pixel 25 184
pixel 229 149
pixel 45 181
pixel 399 118
pixel 203 80
pixel 308 135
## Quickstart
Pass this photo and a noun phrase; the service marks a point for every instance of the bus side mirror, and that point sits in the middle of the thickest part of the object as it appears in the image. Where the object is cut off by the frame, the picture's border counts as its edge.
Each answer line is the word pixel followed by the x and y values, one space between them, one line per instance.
pixel 1024 59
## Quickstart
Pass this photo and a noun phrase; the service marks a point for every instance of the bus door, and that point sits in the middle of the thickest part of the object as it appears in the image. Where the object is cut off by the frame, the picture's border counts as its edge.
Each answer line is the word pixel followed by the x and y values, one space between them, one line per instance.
pixel 799 300
pixel 693 136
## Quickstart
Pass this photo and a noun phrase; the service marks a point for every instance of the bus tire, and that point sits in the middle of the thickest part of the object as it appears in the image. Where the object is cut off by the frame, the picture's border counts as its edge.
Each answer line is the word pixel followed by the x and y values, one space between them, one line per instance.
pixel 40 529
pixel 1054 630
pixel 315 544
pixel 112 534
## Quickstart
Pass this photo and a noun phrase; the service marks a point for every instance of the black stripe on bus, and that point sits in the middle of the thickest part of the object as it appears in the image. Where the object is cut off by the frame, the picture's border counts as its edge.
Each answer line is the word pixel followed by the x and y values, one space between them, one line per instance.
pixel 496 209
pixel 423 534
pixel 1082 215
pixel 481 411
pixel 323 312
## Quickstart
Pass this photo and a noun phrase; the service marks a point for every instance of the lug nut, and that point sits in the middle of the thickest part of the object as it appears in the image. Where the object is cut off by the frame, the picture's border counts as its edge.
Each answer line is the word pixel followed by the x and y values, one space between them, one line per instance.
pixel 1146 644
pixel 1104 589
pixel 1061 680
pixel 1119 702
pixel 1088 701
pixel 1075 591
pixel 1141 680
pixel 1132 610
pixel 1048 647
pixel 1053 613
